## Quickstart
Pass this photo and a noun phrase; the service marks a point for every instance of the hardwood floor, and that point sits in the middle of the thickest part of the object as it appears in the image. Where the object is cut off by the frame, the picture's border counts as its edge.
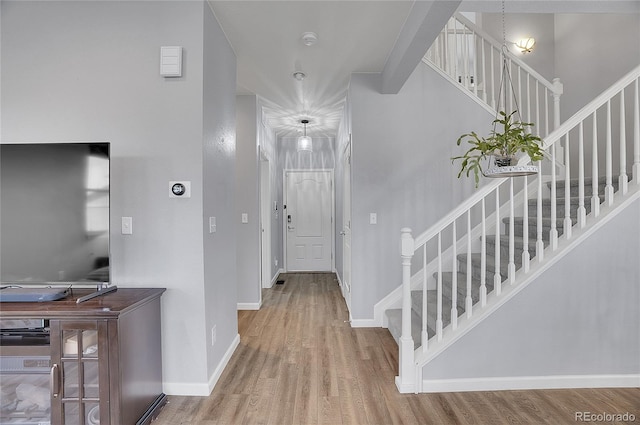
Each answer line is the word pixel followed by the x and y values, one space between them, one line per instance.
pixel 299 362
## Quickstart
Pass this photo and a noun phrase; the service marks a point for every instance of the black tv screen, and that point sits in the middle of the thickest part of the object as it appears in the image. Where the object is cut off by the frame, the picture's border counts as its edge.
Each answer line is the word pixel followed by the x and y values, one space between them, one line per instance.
pixel 54 213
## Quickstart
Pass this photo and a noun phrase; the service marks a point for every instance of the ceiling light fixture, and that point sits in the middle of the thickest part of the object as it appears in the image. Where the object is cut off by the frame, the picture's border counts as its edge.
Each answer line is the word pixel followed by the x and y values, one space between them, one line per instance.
pixel 309 38
pixel 299 75
pixel 304 142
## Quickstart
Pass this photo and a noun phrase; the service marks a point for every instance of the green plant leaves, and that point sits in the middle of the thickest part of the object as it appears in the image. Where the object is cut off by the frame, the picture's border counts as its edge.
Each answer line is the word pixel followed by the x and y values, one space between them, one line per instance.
pixel 515 137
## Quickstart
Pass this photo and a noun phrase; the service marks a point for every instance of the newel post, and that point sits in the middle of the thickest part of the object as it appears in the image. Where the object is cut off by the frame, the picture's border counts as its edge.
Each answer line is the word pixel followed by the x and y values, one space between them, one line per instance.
pixel 558 89
pixel 406 379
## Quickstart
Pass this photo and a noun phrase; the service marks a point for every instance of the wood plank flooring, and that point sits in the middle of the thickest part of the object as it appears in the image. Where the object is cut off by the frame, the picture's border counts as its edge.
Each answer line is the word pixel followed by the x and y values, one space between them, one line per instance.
pixel 299 362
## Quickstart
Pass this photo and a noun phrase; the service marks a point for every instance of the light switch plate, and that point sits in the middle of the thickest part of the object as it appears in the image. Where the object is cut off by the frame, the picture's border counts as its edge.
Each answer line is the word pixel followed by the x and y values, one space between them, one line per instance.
pixel 373 218
pixel 245 218
pixel 212 225
pixel 127 225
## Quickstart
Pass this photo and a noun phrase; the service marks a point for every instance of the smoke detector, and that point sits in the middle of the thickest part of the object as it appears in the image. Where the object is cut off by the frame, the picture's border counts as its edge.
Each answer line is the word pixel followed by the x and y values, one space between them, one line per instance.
pixel 309 38
pixel 299 75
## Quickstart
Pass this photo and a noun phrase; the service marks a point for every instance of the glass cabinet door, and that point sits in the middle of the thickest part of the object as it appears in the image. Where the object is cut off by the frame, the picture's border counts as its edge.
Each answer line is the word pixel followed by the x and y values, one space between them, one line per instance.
pixel 80 376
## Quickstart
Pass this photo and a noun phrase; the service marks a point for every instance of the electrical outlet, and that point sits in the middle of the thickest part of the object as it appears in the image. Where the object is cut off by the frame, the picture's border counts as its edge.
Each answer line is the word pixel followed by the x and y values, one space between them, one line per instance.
pixel 213 335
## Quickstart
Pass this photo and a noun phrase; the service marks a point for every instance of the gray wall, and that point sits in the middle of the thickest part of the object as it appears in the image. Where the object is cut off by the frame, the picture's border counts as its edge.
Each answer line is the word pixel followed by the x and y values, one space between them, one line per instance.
pixel 219 193
pixel 247 174
pixel 402 145
pixel 592 52
pixel 584 307
pixel 89 71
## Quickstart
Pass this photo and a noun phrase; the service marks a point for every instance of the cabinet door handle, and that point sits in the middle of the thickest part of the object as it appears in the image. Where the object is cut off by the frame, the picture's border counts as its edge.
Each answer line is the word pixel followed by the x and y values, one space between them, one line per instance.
pixel 55 381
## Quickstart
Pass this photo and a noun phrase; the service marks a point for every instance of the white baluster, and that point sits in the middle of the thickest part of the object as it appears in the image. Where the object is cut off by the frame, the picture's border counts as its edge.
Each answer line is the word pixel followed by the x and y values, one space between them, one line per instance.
pixel 493 79
pixel 406 369
pixel 546 112
pixel 553 233
pixel 454 281
pixel 483 258
pixel 475 63
pixel 446 49
pixel 484 73
pixel 465 58
pixel 567 189
pixel 595 196
pixel 439 291
pixel 608 188
pixel 636 134
pixel 539 241
pixel 455 51
pixel 425 315
pixel 623 179
pixel 537 127
pixel 557 91
pixel 512 264
pixel 468 300
pixel 526 257
pixel 582 211
pixel 529 100
pixel 497 279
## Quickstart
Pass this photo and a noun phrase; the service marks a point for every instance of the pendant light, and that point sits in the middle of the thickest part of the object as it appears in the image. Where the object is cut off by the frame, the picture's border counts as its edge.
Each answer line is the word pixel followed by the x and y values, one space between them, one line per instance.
pixel 304 142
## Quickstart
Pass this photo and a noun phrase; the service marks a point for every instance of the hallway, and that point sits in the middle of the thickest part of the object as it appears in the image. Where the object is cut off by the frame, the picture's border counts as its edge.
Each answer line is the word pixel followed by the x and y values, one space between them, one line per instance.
pixel 299 362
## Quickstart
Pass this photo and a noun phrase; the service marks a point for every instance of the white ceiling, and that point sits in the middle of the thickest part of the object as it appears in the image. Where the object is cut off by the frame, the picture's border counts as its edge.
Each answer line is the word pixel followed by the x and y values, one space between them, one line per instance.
pixel 353 36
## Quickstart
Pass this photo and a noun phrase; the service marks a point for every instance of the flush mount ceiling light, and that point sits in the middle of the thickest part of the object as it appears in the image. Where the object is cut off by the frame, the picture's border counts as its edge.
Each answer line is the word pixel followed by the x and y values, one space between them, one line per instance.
pixel 299 75
pixel 526 44
pixel 304 142
pixel 309 38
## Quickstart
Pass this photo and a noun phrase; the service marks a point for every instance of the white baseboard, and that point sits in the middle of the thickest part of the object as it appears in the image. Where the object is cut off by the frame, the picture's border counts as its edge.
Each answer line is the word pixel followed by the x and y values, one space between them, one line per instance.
pixel 213 380
pixel 203 389
pixel 249 306
pixel 364 323
pixel 530 383
pixel 275 278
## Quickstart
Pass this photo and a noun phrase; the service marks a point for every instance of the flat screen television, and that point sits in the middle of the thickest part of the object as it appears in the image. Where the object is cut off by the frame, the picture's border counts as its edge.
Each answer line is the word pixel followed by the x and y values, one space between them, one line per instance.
pixel 54 214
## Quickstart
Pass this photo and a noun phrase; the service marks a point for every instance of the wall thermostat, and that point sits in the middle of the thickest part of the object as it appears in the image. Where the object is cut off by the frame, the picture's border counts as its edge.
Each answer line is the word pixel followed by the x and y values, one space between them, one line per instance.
pixel 180 189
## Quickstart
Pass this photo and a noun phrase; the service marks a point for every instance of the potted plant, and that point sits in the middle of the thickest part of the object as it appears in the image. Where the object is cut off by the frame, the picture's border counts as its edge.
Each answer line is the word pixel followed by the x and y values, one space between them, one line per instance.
pixel 503 146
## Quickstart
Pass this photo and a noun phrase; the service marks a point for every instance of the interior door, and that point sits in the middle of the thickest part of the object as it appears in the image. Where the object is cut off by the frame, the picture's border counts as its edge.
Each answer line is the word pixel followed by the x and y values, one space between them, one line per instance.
pixel 265 224
pixel 308 220
pixel 346 229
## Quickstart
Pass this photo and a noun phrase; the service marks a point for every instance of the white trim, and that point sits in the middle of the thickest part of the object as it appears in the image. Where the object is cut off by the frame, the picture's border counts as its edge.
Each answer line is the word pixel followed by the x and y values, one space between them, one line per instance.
pixel 275 278
pixel 202 390
pixel 213 380
pixel 364 323
pixel 530 383
pixel 249 306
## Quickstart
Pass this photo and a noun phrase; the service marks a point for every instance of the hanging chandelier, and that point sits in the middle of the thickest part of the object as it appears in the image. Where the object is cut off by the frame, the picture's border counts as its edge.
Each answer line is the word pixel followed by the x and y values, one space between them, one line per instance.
pixel 305 144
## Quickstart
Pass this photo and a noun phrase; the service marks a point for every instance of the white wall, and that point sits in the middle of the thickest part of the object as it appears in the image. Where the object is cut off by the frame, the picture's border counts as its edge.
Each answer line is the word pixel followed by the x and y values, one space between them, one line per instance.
pixel 579 318
pixel 402 149
pixel 89 71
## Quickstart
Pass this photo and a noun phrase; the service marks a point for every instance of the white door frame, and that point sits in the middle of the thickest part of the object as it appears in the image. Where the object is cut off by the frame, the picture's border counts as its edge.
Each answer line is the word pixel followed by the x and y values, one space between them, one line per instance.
pixel 284 211
pixel 265 222
pixel 346 223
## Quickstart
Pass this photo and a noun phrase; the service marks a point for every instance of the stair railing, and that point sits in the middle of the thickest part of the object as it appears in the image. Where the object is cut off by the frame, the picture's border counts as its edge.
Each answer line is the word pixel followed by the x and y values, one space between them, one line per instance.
pixel 610 123
pixel 472 59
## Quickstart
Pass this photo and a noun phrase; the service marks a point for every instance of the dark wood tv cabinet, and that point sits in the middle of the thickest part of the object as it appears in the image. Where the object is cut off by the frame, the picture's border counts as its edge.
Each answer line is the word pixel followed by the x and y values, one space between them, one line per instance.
pixel 106 358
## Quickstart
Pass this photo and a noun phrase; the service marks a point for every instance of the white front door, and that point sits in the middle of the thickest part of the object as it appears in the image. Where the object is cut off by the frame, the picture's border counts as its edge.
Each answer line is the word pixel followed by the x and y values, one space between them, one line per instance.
pixel 308 220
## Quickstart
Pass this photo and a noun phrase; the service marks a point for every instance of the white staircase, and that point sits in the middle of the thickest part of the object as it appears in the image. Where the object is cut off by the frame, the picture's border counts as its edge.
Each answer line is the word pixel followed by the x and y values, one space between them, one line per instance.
pixel 502 238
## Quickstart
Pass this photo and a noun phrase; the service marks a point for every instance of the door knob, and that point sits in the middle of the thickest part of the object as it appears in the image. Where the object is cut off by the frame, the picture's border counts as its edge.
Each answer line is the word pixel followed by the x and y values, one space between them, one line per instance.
pixel 343 233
